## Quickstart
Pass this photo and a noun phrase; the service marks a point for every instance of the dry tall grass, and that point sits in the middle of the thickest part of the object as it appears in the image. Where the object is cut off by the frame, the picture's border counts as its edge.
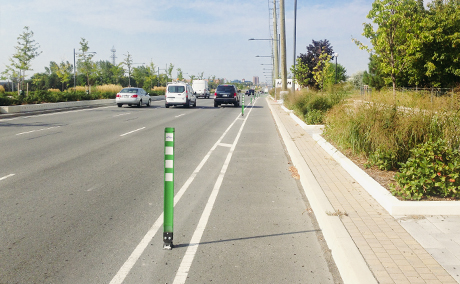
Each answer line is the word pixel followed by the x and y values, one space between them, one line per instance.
pixel 54 90
pixel 2 89
pixel 159 89
pixel 109 88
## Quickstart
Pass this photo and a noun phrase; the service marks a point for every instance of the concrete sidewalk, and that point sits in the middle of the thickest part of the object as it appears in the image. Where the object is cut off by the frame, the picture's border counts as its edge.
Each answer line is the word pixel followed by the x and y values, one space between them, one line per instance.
pixel 368 244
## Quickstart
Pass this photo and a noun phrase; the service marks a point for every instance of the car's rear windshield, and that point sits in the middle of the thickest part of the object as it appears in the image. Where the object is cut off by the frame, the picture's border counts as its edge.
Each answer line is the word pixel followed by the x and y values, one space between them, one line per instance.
pixel 176 89
pixel 128 90
pixel 225 89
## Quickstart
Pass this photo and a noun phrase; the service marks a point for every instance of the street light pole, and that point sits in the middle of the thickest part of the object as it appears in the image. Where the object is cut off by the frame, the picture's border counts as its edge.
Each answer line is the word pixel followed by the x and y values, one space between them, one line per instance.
pixel 295 38
pixel 283 47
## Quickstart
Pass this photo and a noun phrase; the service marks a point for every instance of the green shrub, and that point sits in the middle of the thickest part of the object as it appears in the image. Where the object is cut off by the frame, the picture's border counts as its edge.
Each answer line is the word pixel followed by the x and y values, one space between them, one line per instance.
pixel 157 92
pixel 314 116
pixel 432 170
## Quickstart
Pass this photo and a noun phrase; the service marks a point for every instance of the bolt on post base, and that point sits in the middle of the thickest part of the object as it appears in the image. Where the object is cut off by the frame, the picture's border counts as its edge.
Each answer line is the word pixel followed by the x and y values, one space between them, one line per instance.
pixel 167 241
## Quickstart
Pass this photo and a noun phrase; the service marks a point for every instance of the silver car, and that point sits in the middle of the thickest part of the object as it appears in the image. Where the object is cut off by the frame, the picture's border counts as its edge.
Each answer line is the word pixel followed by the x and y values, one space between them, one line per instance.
pixel 133 96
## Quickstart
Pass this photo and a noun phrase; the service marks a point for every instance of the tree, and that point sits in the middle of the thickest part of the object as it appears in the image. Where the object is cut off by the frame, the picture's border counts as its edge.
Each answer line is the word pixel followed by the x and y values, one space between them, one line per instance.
pixel 140 74
pixel 320 70
pixel 169 71
pixel 151 77
pixel 374 77
pixel 396 22
pixel 128 62
pixel 26 51
pixel 438 57
pixel 85 64
pixel 304 68
pixel 117 72
pixel 329 80
pixel 180 74
pixel 301 72
pixel 63 71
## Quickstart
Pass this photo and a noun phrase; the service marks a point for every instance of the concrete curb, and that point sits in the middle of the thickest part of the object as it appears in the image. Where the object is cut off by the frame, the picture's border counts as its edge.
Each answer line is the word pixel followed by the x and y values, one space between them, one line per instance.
pixel 337 237
pixel 393 205
pixel 11 111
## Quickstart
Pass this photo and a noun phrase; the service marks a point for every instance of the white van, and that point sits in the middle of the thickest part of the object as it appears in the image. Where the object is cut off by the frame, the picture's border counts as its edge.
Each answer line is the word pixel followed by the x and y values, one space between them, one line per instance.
pixel 179 93
pixel 201 88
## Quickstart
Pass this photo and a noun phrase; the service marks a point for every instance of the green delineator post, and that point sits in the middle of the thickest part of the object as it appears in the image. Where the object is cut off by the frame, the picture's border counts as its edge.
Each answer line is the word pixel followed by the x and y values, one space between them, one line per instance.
pixel 242 106
pixel 168 224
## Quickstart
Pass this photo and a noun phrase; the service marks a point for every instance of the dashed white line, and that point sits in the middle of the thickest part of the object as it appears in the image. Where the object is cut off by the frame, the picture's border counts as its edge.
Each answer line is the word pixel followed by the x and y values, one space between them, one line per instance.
pixel 180 115
pixel 132 131
pixel 5 177
pixel 121 114
pixel 37 130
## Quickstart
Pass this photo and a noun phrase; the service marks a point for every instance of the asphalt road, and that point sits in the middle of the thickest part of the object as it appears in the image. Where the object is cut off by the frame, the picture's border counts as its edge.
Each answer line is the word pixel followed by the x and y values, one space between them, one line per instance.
pixel 81 199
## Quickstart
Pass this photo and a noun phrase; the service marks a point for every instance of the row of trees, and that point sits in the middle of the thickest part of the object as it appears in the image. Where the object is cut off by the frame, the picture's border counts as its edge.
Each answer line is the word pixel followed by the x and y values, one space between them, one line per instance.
pixel 413 46
pixel 315 69
pixel 88 72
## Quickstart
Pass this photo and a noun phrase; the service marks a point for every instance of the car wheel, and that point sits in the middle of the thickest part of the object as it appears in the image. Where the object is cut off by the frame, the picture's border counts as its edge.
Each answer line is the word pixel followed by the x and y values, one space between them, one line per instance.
pixel 129 104
pixel 216 104
pixel 119 105
pixel 237 104
pixel 194 104
pixel 139 104
pixel 148 103
pixel 187 104
pixel 166 106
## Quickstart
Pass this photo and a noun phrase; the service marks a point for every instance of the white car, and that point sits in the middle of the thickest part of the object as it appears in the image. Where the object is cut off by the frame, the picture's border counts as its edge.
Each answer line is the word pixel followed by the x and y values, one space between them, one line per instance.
pixel 133 96
pixel 179 93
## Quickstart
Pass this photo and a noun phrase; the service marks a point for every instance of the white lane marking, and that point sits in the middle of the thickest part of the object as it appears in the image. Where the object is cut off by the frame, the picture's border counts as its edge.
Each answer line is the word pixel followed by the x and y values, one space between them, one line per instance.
pixel 225 145
pixel 132 259
pixel 180 115
pixel 184 268
pixel 37 130
pixel 132 131
pixel 5 177
pixel 121 114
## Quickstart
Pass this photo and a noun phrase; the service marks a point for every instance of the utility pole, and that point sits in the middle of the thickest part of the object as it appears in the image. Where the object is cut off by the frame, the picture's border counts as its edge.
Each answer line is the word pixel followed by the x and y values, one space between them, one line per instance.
pixel 295 42
pixel 275 43
pixel 283 47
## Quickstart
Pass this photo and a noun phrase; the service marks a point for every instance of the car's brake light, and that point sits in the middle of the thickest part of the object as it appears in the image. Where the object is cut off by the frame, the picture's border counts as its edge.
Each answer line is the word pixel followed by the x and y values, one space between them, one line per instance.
pixel 118 95
pixel 134 96
pixel 234 95
pixel 215 94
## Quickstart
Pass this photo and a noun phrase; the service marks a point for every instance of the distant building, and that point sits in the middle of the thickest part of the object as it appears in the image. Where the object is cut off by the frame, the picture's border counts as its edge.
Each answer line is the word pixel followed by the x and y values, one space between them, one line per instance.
pixel 255 80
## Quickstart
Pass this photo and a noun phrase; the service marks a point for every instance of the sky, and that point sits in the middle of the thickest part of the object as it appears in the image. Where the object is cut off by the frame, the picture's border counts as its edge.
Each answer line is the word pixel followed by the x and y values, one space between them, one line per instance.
pixel 209 36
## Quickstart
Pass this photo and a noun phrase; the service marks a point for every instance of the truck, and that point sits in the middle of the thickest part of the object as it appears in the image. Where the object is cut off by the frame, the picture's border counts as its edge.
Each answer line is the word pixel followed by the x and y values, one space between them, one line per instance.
pixel 200 87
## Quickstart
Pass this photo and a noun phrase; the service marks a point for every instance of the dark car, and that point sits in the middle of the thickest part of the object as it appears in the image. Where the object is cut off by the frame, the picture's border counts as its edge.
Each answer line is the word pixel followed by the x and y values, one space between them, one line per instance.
pixel 250 92
pixel 226 94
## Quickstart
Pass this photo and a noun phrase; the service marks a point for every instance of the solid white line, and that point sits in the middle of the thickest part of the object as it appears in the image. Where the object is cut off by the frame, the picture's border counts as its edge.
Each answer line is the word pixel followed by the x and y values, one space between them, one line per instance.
pixel 132 259
pixel 184 268
pixel 132 131
pixel 37 130
pixel 5 177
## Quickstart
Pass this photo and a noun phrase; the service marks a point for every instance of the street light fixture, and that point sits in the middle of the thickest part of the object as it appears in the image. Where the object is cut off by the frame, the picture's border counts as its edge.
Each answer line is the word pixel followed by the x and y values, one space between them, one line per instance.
pixel 336 55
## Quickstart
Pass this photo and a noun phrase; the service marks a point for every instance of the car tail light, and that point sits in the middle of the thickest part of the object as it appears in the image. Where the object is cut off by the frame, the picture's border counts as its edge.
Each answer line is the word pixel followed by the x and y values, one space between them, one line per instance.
pixel 215 94
pixel 134 96
pixel 118 95
pixel 234 95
